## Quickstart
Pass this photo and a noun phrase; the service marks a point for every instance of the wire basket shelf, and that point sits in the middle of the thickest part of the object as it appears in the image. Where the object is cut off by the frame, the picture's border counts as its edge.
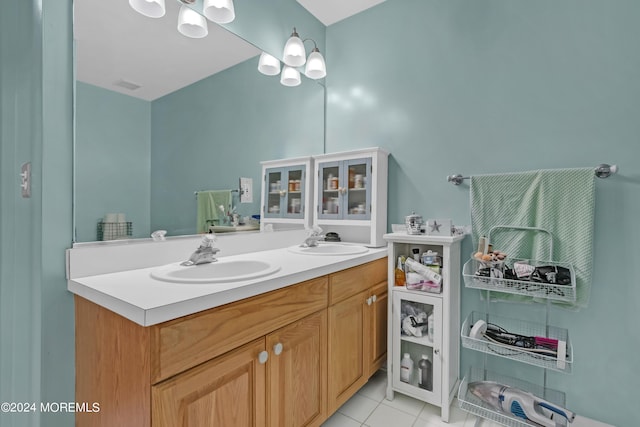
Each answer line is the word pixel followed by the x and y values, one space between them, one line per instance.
pixel 556 292
pixel 520 327
pixel 114 230
pixel 474 405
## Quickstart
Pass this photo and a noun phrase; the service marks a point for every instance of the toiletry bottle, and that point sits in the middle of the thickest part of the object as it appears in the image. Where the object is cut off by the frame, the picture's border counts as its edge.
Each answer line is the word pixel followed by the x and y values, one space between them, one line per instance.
pixel 406 368
pixel 400 276
pixel 483 245
pixel 425 373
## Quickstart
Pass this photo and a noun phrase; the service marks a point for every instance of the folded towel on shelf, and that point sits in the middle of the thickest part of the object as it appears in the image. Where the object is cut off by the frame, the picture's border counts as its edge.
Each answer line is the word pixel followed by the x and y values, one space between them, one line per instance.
pixel 561 201
pixel 208 207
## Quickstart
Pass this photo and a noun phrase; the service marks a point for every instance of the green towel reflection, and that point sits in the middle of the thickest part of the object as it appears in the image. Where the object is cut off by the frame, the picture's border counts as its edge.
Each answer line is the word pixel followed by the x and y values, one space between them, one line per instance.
pixel 208 208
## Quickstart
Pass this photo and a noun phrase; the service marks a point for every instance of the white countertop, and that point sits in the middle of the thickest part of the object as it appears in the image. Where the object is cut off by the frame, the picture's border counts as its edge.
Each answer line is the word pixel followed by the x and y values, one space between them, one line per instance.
pixel 134 294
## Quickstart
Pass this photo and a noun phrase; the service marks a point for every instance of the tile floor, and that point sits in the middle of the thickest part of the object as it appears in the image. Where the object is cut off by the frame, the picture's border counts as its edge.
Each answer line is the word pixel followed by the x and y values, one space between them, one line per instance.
pixel 370 408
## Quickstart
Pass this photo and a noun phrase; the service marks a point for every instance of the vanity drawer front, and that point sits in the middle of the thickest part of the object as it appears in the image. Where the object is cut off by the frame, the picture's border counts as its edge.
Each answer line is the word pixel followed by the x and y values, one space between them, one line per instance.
pixel 183 343
pixel 346 283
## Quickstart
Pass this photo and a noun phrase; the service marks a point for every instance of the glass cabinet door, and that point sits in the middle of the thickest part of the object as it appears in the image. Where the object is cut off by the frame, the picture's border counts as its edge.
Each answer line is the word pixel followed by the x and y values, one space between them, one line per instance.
pixel 284 192
pixel 273 193
pixel 411 337
pixel 357 193
pixel 345 189
pixel 329 190
pixel 293 198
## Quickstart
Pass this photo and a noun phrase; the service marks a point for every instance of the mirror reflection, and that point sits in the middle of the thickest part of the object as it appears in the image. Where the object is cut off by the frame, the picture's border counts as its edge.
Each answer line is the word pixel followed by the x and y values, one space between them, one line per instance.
pixel 160 116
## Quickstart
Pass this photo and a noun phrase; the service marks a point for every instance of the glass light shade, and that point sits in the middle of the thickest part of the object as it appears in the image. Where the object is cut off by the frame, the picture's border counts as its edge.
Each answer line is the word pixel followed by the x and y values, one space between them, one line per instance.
pixel 219 11
pixel 290 76
pixel 316 68
pixel 150 8
pixel 268 64
pixel 191 23
pixel 294 53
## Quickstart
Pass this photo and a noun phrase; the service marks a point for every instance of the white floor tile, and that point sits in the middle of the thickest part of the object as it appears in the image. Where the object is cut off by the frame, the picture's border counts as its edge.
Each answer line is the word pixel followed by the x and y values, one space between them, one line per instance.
pixel 430 416
pixel 405 403
pixel 457 417
pixel 429 413
pixel 376 387
pixel 340 420
pixel 427 423
pixel 385 416
pixel 358 407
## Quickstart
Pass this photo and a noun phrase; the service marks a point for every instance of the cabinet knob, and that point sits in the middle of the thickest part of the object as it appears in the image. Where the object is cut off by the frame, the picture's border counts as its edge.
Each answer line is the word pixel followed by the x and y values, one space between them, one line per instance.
pixel 342 190
pixel 277 349
pixel 262 357
pixel 374 298
pixel 436 350
pixel 369 301
pixel 283 192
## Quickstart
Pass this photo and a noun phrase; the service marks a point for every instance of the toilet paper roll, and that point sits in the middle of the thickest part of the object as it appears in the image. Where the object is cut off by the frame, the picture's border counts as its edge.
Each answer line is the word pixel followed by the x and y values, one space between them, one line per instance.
pixel 121 217
pixel 111 217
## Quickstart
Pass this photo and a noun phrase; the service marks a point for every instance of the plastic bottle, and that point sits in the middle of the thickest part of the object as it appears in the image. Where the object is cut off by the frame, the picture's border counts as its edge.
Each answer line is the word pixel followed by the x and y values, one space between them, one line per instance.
pixel 425 373
pixel 400 276
pixel 406 368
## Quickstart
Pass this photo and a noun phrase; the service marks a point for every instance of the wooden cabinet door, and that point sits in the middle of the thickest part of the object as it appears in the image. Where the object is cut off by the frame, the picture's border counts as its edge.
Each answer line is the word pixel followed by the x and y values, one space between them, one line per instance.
pixel 346 348
pixel 377 328
pixel 297 373
pixel 226 391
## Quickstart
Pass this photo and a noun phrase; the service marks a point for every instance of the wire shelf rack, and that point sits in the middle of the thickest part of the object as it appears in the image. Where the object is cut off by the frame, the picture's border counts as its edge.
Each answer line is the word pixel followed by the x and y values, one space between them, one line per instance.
pixel 114 230
pixel 474 405
pixel 566 293
pixel 519 327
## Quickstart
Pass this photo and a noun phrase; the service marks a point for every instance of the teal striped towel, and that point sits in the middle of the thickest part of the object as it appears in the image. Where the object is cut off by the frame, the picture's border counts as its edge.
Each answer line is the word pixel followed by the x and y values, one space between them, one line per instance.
pixel 561 201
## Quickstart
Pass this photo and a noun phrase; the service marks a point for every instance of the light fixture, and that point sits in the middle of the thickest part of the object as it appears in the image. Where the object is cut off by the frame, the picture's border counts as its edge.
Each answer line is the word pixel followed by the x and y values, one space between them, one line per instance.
pixel 150 8
pixel 219 11
pixel 294 54
pixel 191 23
pixel 268 64
pixel 290 76
pixel 316 68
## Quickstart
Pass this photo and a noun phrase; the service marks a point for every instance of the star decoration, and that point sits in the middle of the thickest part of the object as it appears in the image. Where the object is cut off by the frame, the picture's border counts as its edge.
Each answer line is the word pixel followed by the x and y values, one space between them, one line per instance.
pixel 435 226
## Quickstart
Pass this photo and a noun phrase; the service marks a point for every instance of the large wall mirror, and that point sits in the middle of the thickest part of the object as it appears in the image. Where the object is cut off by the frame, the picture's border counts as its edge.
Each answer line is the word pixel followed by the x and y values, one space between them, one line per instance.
pixel 158 116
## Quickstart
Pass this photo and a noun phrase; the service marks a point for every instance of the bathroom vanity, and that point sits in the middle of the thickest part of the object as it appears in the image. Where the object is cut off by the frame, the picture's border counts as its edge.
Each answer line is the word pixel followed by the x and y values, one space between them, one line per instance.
pixel 285 349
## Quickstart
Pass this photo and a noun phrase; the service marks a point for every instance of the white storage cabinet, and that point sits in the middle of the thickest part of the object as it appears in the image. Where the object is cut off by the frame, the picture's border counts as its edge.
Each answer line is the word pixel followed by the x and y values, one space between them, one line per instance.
pixel 351 194
pixel 444 349
pixel 286 193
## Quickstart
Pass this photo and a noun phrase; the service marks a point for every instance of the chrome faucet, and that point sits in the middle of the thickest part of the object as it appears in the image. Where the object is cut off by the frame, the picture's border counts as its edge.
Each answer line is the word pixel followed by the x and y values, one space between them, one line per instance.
pixel 205 252
pixel 313 236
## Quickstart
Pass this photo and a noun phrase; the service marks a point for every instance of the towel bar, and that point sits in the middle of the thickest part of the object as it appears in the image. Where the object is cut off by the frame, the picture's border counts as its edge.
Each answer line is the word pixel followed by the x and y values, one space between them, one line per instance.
pixel 602 171
pixel 195 193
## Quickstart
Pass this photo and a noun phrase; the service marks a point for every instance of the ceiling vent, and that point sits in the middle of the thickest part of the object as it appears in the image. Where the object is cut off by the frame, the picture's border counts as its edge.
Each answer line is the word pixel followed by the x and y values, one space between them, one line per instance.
pixel 127 84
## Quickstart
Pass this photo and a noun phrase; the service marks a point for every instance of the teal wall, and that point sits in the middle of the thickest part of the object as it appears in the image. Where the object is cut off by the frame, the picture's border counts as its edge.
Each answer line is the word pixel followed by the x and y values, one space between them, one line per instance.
pixel 113 134
pixel 209 134
pixel 490 86
pixel 36 311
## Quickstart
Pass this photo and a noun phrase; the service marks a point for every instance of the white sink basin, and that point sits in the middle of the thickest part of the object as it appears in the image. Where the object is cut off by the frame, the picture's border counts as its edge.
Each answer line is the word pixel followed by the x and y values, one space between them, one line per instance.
pixel 215 272
pixel 329 249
